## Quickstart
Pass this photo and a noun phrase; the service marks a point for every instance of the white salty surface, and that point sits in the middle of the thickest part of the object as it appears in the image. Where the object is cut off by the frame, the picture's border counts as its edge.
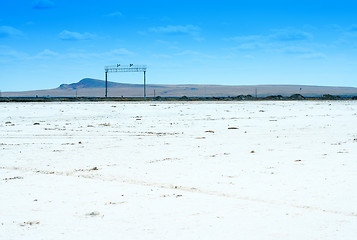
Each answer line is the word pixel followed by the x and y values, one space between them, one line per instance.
pixel 176 170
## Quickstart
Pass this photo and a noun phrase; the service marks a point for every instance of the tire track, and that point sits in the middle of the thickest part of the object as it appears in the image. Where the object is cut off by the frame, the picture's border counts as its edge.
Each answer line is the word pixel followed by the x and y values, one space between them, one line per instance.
pixel 176 187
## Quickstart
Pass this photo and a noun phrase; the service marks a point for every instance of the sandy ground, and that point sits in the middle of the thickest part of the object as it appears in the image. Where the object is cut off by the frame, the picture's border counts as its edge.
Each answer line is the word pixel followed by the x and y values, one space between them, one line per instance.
pixel 233 170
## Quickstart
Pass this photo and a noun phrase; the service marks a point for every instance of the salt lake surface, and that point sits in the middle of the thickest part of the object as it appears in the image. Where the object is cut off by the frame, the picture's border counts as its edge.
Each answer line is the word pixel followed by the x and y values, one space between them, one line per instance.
pixel 178 170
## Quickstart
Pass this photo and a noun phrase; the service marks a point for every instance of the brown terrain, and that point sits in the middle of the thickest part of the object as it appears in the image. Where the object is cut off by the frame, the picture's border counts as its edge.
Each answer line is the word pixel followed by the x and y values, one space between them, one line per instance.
pixel 96 88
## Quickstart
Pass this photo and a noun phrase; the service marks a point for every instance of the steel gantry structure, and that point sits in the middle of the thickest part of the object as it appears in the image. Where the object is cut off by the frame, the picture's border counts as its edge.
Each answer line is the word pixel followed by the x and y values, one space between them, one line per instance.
pixel 124 68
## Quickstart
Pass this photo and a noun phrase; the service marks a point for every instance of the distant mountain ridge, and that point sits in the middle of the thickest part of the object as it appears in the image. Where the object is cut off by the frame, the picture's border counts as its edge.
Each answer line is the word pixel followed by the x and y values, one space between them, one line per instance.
pixel 93 83
pixel 89 87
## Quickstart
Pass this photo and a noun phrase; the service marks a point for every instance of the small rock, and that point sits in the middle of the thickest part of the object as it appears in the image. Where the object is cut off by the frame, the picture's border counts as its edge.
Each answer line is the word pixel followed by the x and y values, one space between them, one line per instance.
pixel 29 223
pixel 93 214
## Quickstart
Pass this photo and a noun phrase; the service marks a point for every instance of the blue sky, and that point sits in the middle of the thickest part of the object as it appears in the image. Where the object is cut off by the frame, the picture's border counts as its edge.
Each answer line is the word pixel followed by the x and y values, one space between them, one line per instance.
pixel 44 43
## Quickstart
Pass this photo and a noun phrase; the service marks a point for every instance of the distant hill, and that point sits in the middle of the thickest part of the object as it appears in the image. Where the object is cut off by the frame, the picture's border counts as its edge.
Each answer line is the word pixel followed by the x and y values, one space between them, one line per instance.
pixel 88 87
pixel 94 83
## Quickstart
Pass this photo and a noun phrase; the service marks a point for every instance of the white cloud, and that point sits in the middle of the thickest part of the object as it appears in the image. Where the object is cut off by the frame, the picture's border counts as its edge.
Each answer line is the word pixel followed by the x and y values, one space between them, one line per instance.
pixel 75 36
pixel 7 31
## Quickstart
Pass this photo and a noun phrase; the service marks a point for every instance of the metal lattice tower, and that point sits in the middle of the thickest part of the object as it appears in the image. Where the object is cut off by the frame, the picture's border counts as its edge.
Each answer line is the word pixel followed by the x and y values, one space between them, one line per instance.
pixel 124 68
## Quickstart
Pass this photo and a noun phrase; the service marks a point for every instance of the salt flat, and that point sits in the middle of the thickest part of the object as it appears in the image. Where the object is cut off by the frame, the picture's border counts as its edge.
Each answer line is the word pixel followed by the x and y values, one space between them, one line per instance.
pixel 178 170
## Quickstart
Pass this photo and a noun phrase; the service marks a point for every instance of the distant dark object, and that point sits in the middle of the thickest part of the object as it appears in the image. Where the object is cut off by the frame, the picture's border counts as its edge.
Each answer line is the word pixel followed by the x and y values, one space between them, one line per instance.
pixel 244 97
pixel 330 97
pixel 275 97
pixel 184 98
pixel 354 98
pixel 297 97
pixel 157 98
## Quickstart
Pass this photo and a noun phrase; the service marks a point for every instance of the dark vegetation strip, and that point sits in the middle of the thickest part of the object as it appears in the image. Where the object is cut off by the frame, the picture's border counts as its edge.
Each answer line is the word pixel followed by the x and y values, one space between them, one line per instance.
pixel 183 98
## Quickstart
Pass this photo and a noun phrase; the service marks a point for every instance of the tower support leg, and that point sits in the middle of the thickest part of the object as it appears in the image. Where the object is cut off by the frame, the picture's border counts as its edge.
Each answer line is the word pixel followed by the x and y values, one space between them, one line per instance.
pixel 144 84
pixel 106 84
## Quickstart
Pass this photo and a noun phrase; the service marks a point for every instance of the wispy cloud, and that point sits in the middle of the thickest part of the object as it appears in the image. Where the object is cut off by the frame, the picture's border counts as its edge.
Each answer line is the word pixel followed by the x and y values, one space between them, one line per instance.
pixel 165 56
pixel 347 35
pixel 283 41
pixel 115 14
pixel 247 38
pixel 167 44
pixel 350 32
pixel 7 31
pixel 282 35
pixel 315 55
pixel 9 55
pixel 289 41
pixel 177 30
pixel 289 35
pixel 193 53
pixel 120 51
pixel 353 28
pixel 297 50
pixel 189 29
pixel 48 53
pixel 83 54
pixel 188 52
pixel 75 36
pixel 43 4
